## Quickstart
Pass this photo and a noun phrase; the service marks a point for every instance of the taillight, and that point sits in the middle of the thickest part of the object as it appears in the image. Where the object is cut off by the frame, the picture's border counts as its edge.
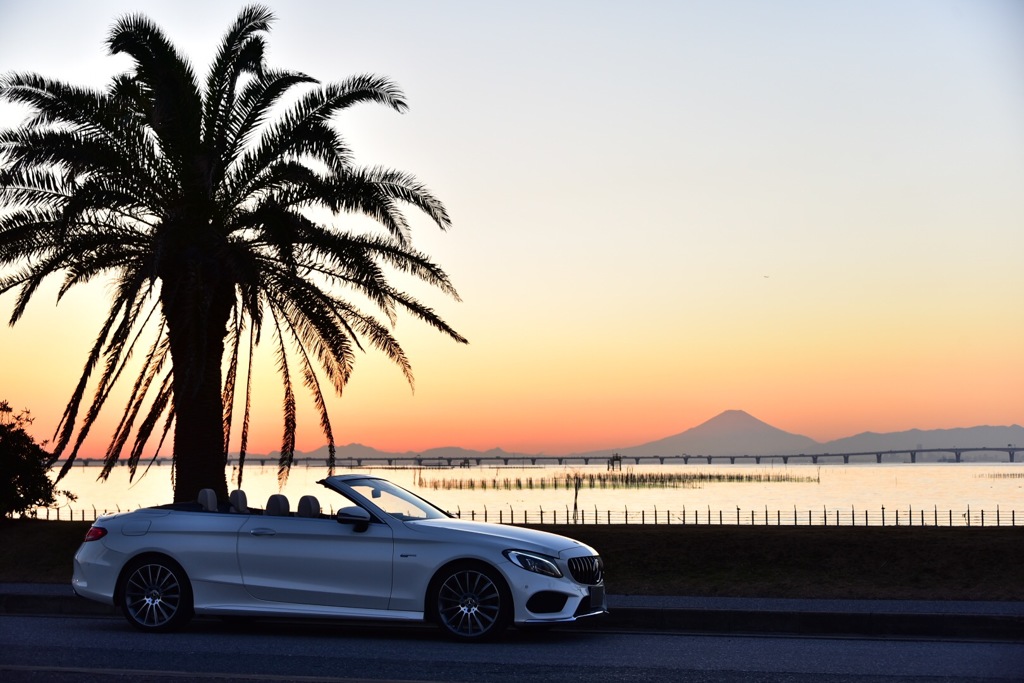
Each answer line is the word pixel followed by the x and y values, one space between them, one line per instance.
pixel 95 533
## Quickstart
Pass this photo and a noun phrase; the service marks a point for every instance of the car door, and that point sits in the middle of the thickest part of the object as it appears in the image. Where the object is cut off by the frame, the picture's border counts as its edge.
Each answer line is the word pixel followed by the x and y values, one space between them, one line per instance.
pixel 316 561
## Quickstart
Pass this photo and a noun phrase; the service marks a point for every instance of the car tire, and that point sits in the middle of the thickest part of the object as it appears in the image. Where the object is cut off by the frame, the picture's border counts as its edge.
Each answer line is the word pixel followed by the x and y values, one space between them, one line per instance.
pixel 471 602
pixel 156 595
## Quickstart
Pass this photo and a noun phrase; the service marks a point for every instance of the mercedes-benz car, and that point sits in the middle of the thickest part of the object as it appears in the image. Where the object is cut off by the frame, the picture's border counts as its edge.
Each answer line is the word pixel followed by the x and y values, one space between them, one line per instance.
pixel 385 554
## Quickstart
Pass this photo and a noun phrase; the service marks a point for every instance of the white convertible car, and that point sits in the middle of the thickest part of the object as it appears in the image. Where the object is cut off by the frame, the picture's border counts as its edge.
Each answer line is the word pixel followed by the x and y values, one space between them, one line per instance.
pixel 385 554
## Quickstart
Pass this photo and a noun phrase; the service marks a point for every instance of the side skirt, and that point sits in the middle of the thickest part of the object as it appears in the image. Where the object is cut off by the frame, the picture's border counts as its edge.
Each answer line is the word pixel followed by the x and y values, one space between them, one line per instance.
pixel 290 610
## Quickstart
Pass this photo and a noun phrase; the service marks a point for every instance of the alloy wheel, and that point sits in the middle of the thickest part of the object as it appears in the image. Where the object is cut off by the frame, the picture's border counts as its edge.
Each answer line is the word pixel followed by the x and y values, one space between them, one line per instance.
pixel 154 598
pixel 470 605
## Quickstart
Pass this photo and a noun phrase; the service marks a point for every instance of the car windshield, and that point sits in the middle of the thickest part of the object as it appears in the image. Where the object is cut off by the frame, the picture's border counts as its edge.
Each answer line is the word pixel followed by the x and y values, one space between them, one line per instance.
pixel 395 500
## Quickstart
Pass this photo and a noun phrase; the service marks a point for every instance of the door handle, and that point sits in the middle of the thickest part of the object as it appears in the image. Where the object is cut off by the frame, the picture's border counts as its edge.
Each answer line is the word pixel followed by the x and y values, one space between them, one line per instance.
pixel 262 532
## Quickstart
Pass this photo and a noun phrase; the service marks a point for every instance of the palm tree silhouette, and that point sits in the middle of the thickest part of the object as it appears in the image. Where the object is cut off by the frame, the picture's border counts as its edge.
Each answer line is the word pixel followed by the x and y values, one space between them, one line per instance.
pixel 200 203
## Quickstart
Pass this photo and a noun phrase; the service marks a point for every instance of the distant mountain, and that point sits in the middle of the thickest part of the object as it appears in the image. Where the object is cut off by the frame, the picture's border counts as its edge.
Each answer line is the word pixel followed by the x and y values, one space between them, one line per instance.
pixel 733 432
pixel 968 437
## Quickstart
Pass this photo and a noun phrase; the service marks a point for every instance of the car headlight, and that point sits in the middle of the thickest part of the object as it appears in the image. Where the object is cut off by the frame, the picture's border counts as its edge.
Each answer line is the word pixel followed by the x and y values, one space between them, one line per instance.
pixel 534 562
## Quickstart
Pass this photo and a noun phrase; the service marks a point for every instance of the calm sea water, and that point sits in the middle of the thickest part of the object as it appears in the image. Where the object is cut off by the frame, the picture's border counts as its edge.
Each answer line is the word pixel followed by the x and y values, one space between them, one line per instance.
pixel 732 493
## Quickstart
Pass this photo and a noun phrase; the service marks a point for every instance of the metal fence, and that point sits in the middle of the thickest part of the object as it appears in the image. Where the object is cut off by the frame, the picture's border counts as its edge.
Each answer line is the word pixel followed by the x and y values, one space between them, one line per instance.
pixel 736 516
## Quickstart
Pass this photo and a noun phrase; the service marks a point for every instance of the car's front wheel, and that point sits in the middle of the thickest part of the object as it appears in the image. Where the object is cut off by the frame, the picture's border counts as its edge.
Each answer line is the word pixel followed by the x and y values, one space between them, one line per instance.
pixel 156 595
pixel 472 602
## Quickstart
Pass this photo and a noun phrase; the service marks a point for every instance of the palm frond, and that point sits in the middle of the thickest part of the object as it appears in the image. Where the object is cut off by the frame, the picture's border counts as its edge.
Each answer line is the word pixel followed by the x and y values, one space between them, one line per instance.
pixel 164 399
pixel 176 111
pixel 288 405
pixel 254 104
pixel 244 439
pixel 300 333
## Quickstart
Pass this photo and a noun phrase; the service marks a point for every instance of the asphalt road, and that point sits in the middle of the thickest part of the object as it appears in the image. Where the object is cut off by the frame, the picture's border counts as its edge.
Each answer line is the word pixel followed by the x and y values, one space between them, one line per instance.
pixel 36 648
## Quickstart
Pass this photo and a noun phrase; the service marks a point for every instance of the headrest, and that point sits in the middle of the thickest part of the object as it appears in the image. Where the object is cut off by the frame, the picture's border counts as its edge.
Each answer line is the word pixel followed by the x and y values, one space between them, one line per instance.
pixel 309 506
pixel 208 500
pixel 277 505
pixel 238 501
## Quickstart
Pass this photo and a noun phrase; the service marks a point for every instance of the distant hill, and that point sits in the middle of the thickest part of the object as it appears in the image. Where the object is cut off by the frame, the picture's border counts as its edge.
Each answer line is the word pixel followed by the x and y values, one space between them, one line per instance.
pixel 970 437
pixel 733 432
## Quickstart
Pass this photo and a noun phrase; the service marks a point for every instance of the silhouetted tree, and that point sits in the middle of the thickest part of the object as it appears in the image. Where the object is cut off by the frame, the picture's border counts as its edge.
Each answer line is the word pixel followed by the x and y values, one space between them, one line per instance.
pixel 24 466
pixel 203 204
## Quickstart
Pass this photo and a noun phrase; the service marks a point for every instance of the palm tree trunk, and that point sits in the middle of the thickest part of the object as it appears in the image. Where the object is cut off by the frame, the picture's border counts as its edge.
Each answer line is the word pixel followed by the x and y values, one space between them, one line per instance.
pixel 198 438
pixel 197 319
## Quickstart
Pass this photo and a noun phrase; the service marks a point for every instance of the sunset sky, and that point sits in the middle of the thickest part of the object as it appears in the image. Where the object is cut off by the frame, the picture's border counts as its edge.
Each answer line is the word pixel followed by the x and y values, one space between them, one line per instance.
pixel 810 211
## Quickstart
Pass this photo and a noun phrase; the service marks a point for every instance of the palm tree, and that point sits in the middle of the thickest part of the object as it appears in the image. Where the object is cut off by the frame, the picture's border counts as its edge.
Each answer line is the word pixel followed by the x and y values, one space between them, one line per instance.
pixel 200 204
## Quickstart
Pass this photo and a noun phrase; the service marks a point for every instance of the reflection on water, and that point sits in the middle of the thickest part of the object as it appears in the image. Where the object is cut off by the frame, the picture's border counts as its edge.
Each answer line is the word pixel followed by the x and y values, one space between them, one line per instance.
pixel 736 489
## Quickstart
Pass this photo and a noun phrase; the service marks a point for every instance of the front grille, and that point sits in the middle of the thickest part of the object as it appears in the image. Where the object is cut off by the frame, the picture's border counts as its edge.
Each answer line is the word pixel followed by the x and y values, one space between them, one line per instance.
pixel 587 570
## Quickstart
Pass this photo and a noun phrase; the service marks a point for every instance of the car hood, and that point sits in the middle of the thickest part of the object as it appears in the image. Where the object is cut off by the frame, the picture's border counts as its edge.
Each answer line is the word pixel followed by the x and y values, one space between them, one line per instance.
pixel 499 534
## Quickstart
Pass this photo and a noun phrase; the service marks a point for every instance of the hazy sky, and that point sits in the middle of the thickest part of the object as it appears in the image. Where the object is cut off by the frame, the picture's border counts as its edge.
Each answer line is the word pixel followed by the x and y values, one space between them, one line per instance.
pixel 811 211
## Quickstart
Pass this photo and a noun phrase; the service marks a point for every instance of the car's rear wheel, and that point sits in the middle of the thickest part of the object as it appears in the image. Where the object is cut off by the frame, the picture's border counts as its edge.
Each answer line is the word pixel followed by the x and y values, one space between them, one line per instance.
pixel 471 602
pixel 156 595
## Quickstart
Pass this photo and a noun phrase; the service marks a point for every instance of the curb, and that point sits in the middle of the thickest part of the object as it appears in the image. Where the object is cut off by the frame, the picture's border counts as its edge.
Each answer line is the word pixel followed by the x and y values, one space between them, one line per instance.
pixel 877 624
pixel 999 627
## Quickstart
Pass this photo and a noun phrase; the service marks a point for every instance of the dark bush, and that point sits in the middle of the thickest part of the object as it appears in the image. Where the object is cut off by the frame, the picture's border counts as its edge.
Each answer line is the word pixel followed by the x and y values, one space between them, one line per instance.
pixel 24 466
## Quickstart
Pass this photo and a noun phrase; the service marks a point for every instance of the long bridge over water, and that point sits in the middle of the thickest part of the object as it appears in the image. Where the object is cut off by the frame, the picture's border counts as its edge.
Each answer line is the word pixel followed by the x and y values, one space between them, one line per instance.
pixel 901 456
pixel 616 460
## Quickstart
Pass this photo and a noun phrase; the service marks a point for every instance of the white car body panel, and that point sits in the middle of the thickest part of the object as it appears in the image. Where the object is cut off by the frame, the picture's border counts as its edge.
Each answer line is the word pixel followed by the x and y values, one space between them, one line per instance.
pixel 316 562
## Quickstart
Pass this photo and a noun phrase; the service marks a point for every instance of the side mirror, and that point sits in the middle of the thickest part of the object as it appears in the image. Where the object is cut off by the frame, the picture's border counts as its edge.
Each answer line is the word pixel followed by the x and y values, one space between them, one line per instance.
pixel 354 515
